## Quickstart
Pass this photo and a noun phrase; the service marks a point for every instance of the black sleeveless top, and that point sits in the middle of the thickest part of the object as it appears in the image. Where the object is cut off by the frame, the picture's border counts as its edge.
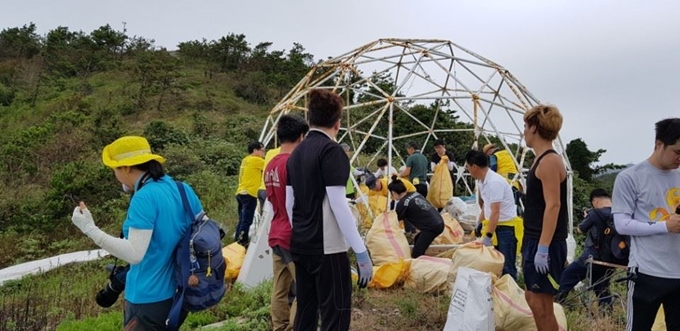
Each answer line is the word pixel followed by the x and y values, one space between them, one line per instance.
pixel 535 206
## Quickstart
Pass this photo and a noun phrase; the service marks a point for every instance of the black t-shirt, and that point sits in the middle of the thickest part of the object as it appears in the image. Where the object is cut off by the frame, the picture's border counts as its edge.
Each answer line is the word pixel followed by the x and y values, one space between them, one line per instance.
pixel 436 158
pixel 535 206
pixel 415 209
pixel 318 162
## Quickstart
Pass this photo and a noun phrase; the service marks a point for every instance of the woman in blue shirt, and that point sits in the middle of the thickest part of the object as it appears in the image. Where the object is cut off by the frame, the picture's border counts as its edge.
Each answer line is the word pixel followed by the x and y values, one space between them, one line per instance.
pixel 155 223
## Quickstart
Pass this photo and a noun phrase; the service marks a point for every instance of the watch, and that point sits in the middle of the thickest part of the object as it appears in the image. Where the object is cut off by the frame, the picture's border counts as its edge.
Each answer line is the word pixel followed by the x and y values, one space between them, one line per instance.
pixel 489 234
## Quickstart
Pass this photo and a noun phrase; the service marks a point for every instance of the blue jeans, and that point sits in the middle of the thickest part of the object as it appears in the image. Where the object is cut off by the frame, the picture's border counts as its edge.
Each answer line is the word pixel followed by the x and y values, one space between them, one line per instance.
pixel 246 212
pixel 507 245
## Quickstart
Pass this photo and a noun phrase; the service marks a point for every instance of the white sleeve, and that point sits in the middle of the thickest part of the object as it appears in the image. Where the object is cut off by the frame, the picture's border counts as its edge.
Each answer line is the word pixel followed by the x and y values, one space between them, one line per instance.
pixel 432 166
pixel 340 208
pixel 130 250
pixel 451 164
pixel 626 225
pixel 290 201
pixel 377 173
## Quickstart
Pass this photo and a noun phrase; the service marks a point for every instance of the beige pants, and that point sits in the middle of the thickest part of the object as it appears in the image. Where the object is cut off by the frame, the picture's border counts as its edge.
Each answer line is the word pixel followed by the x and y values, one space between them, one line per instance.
pixel 282 313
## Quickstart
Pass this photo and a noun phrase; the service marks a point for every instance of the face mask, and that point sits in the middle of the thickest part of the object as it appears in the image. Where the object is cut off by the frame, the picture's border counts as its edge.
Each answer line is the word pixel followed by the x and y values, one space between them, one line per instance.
pixel 127 189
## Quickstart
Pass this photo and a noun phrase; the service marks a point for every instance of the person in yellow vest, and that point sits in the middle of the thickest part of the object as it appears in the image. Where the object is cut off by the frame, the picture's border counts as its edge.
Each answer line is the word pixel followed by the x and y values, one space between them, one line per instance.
pixel 249 178
pixel 262 191
pixel 380 184
pixel 503 163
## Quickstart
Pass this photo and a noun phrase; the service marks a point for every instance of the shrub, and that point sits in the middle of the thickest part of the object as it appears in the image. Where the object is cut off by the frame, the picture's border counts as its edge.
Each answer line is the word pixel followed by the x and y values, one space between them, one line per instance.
pixel 160 134
pixel 74 181
pixel 254 88
pixel 242 129
pixel 6 95
pixel 181 161
pixel 222 157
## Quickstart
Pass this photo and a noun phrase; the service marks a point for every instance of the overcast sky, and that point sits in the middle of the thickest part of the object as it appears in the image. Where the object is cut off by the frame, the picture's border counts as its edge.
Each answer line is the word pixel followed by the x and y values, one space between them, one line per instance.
pixel 608 65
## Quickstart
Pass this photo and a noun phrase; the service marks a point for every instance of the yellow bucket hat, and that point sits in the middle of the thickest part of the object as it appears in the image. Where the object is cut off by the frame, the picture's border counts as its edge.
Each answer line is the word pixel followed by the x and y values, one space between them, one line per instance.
pixel 487 147
pixel 129 151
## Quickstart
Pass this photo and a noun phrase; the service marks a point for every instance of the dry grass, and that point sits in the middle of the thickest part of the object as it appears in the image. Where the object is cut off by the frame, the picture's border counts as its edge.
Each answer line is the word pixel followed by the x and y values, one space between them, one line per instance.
pixel 403 309
pixel 398 309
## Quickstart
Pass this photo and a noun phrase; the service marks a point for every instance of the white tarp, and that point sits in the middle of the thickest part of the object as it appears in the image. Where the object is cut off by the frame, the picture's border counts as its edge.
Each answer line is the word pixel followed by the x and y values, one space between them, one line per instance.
pixel 257 266
pixel 39 266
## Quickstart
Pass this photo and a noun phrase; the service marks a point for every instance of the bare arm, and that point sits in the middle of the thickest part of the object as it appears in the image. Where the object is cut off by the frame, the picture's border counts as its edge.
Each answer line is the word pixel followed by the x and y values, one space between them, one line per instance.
pixel 481 213
pixel 495 215
pixel 406 172
pixel 551 173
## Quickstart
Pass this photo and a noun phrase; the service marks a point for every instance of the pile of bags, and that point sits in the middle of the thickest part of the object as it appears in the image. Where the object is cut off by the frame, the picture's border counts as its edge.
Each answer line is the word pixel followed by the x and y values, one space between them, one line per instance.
pixel 481 299
pixel 465 213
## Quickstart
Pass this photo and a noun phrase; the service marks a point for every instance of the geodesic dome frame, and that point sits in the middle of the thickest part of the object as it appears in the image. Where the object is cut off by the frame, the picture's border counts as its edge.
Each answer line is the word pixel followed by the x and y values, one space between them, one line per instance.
pixel 440 73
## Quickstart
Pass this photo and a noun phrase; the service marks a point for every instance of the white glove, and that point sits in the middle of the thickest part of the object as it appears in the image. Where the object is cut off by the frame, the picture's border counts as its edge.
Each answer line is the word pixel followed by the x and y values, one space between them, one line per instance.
pixel 82 218
pixel 362 199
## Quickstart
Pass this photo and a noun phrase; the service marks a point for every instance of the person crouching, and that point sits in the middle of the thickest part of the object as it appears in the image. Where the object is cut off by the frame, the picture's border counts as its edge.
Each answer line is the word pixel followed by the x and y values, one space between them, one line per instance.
pixel 412 207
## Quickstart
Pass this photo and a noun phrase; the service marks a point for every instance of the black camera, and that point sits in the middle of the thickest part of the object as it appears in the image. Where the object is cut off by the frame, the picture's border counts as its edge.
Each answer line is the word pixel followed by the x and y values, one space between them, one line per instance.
pixel 109 294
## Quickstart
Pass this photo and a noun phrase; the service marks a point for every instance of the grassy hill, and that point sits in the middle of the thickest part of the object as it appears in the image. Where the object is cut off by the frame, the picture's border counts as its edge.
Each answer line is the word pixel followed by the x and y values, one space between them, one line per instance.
pixel 62 102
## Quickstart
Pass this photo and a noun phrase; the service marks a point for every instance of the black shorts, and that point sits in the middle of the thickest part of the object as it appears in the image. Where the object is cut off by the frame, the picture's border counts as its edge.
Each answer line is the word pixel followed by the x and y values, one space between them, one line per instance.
pixel 557 257
pixel 149 316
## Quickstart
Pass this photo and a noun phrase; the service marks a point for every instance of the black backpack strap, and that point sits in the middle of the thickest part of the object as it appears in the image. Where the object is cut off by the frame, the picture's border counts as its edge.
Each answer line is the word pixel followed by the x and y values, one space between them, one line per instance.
pixel 182 258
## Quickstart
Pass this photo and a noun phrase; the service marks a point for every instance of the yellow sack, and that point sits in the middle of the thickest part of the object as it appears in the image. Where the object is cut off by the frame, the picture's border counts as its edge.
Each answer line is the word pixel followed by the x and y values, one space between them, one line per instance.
pixel 476 256
pixel 441 186
pixel 386 241
pixel 387 275
pixel 659 321
pixel 453 232
pixel 428 274
pixel 511 310
pixel 234 254
pixel 376 202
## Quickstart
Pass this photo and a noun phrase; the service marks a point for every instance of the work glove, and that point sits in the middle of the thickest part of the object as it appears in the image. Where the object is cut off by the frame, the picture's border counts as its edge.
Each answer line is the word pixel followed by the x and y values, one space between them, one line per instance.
pixel 486 241
pixel 361 199
pixel 541 259
pixel 478 229
pixel 365 269
pixel 82 218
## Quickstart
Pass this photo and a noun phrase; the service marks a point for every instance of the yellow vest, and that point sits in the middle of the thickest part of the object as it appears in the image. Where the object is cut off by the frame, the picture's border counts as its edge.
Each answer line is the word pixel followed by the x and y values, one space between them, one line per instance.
pixel 516 222
pixel 250 175
pixel 506 165
pixel 383 184
pixel 268 157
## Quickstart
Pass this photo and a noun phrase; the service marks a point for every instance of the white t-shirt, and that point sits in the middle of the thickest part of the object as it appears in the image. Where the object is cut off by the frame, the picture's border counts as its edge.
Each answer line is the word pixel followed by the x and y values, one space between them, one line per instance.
pixel 382 173
pixel 649 194
pixel 493 189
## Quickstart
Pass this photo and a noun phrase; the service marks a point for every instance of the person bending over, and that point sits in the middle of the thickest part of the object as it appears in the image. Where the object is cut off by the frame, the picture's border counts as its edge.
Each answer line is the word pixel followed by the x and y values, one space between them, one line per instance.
pixel 415 209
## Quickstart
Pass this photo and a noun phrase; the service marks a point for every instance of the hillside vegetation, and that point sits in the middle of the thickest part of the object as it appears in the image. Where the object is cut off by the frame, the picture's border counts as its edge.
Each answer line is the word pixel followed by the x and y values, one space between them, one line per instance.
pixel 64 96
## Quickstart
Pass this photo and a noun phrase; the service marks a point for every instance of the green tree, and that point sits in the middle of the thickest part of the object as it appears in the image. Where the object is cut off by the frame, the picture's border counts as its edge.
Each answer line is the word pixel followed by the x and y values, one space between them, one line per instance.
pixel 230 52
pixel 581 158
pixel 21 42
